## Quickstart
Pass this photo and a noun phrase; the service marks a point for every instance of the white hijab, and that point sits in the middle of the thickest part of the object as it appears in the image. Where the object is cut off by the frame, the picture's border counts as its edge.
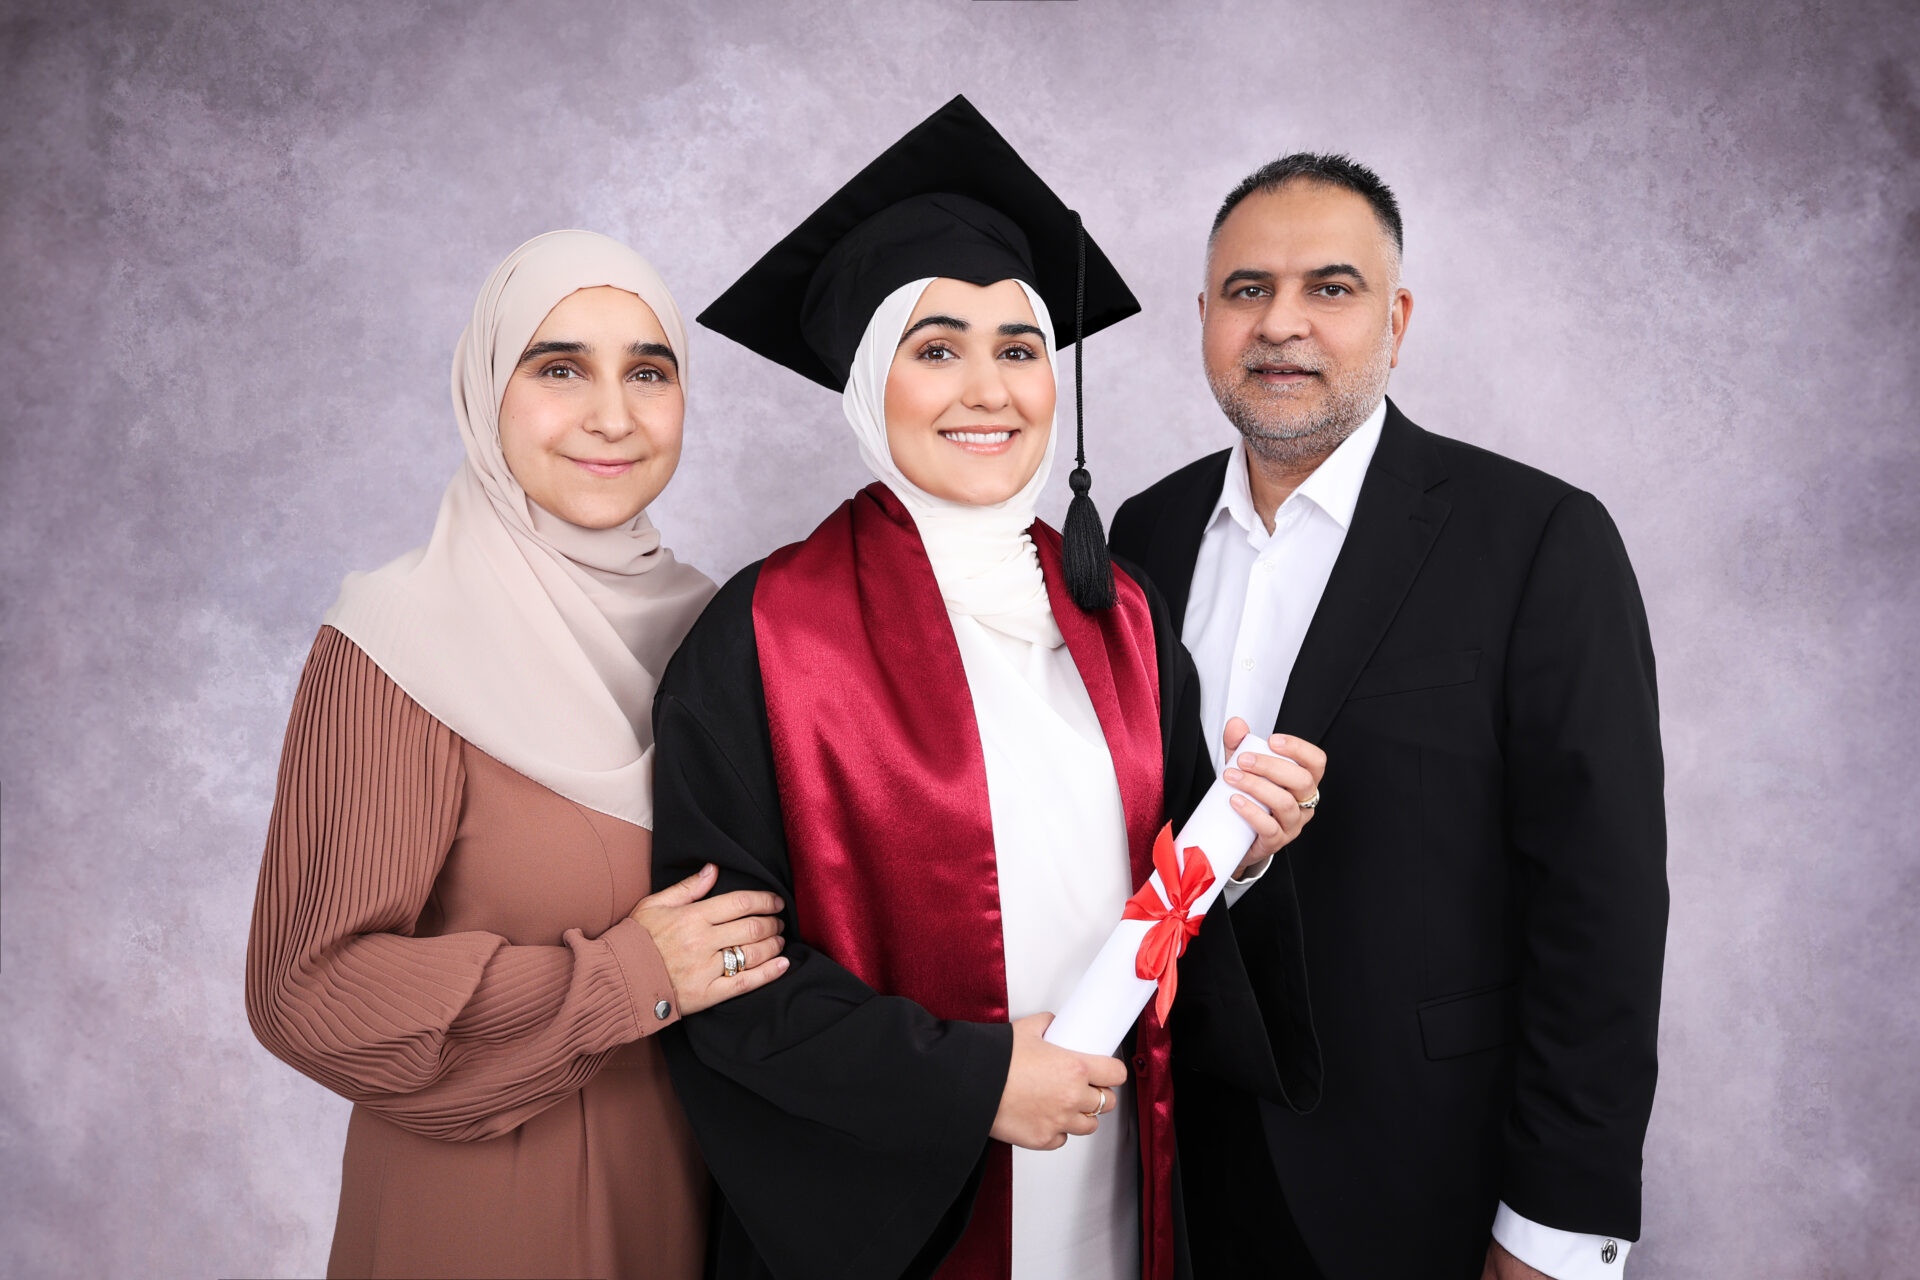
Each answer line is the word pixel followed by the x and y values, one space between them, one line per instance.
pixel 983 557
pixel 538 641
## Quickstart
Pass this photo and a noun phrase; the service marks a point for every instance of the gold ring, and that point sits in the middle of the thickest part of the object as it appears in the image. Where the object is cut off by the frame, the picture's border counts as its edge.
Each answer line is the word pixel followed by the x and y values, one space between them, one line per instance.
pixel 1312 801
pixel 732 961
pixel 1100 1110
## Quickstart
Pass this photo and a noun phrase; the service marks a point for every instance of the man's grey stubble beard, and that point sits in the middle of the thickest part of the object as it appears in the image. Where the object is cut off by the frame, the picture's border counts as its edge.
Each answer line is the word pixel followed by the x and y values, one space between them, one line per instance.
pixel 1292 439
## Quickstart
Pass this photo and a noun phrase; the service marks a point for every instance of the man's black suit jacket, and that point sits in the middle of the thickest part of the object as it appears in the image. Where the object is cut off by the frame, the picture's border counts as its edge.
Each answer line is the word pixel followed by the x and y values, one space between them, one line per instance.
pixel 1483 890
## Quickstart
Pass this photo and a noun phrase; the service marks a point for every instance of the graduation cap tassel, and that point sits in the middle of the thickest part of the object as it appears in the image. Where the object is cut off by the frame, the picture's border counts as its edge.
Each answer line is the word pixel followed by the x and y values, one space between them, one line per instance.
pixel 1089 566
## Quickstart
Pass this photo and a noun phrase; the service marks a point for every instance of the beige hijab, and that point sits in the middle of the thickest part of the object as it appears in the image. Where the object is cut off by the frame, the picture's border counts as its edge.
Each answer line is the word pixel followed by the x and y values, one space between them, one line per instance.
pixel 538 641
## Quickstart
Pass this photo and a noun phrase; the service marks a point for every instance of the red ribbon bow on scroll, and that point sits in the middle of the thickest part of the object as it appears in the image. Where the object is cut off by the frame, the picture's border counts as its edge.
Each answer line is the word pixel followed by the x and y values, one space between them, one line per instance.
pixel 1160 950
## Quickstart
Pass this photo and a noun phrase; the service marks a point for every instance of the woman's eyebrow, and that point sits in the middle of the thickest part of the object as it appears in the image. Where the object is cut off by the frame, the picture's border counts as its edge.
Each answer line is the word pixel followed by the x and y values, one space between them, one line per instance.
pixel 1016 328
pixel 658 350
pixel 638 350
pixel 943 322
pixel 539 349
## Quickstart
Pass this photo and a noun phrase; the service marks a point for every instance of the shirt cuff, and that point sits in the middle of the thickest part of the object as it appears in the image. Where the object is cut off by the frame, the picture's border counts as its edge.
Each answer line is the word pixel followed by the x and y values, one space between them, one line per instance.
pixel 649 989
pixel 1564 1255
pixel 1235 890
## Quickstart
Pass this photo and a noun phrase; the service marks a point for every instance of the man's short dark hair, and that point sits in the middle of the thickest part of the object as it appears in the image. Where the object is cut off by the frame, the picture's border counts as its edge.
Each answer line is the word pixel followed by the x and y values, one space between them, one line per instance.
pixel 1334 170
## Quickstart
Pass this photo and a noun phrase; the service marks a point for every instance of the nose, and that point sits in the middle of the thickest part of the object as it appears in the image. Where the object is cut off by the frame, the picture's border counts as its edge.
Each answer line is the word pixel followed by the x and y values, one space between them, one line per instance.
pixel 985 387
pixel 609 415
pixel 1283 320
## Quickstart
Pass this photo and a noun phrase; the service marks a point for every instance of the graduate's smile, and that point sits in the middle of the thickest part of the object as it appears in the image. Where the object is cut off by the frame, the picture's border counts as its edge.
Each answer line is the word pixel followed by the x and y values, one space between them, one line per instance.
pixel 989 440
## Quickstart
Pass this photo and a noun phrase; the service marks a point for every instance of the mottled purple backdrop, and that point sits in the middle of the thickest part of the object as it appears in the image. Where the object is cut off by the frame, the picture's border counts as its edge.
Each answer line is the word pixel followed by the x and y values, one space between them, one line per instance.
pixel 1665 251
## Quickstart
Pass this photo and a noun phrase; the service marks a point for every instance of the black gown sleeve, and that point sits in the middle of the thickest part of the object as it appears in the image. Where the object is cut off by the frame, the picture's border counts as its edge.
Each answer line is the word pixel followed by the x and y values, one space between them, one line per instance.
pixel 1244 1015
pixel 846 1130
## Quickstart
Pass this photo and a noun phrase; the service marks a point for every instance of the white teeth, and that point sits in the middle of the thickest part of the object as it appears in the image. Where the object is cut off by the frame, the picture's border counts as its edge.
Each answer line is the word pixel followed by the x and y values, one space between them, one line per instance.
pixel 979 437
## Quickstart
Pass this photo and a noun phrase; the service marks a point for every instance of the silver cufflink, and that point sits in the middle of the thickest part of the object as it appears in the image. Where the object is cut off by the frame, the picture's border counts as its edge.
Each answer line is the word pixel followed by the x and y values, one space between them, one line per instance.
pixel 1608 1251
pixel 663 1011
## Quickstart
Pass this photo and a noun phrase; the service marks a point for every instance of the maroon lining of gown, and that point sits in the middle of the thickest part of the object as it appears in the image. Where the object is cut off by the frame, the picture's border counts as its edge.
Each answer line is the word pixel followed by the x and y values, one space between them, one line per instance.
pixel 867 702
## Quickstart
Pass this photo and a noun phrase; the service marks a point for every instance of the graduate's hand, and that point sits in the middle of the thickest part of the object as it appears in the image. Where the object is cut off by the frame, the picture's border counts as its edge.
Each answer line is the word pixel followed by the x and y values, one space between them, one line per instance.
pixel 691 935
pixel 1279 785
pixel 1051 1092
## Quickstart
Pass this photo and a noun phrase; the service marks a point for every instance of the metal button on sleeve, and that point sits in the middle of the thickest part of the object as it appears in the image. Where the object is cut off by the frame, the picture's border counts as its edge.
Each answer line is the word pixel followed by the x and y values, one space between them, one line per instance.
pixel 663 1010
pixel 1609 1251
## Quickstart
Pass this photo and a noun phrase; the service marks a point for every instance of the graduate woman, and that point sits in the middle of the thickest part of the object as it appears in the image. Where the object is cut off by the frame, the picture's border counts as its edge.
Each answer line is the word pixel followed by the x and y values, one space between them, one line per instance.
pixel 450 928
pixel 948 741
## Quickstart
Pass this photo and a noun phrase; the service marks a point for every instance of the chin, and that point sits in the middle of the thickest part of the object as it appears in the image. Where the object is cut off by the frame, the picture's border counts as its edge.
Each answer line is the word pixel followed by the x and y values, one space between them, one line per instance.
pixel 971 481
pixel 595 515
pixel 981 492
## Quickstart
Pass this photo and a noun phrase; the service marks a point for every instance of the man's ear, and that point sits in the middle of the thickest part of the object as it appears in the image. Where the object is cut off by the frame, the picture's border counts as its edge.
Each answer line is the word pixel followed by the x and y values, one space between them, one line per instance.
pixel 1201 299
pixel 1402 315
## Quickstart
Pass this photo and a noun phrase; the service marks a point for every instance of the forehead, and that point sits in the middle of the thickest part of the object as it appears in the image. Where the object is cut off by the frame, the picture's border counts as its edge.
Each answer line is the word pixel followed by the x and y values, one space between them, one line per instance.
pixel 993 304
pixel 1301 226
pixel 604 310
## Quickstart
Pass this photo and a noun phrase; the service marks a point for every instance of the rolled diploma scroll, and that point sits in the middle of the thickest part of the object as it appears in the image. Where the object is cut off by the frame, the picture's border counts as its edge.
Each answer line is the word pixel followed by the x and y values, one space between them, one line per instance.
pixel 1111 994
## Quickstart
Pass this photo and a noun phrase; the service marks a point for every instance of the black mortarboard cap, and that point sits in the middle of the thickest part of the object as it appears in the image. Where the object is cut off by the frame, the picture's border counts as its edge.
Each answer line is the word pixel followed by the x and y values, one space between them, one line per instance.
pixel 952 199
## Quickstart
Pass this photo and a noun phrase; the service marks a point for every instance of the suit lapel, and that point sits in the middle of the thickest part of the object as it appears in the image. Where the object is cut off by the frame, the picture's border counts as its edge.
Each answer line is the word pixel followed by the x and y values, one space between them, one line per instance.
pixel 1176 541
pixel 1394 526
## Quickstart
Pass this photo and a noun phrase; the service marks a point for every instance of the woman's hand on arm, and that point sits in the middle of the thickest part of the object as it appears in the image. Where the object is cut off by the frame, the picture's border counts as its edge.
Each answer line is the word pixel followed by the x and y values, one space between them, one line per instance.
pixel 692 933
pixel 1052 1093
pixel 1280 785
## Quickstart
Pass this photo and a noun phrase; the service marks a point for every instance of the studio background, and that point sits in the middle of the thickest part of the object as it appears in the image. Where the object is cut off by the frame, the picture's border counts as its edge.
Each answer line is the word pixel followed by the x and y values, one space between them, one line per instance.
pixel 1666 251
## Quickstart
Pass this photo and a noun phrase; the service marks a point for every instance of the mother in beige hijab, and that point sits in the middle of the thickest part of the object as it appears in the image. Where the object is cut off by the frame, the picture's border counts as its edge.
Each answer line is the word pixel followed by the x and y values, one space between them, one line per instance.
pixel 450 928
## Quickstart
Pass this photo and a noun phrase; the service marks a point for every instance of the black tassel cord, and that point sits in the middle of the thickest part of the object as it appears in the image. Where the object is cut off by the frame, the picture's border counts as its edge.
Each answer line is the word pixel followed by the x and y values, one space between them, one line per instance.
pixel 1089 567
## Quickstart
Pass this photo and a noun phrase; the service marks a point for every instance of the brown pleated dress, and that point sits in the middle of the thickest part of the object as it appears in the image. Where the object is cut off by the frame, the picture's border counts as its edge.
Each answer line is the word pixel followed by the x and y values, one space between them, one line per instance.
pixel 446 942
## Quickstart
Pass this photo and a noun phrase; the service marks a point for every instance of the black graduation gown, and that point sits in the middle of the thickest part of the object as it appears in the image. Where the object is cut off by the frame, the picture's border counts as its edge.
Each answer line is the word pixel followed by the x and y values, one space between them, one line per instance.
pixel 847 1130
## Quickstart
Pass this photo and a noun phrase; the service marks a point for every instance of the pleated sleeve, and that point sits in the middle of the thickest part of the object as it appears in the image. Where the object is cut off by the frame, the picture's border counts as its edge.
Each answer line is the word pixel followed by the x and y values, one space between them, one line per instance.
pixel 458 1037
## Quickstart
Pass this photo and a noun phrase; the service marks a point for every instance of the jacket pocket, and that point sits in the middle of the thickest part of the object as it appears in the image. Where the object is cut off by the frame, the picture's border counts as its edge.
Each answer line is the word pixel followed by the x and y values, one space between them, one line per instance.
pixel 1431 671
pixel 1456 1025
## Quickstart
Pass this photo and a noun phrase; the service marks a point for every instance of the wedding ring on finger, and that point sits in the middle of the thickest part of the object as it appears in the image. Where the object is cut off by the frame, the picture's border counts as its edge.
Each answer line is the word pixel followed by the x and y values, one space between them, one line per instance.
pixel 732 961
pixel 1100 1108
pixel 1312 801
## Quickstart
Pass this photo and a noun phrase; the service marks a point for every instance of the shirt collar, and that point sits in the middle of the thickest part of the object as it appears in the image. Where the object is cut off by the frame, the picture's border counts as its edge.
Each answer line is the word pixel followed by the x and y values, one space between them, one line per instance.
pixel 1334 486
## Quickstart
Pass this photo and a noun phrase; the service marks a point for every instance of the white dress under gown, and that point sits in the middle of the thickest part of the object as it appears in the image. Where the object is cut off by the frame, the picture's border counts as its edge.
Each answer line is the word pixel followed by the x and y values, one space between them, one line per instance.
pixel 1060 841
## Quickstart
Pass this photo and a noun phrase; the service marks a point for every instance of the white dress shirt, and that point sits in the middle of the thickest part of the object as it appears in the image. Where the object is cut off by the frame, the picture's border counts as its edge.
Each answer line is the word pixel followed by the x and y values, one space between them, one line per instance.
pixel 1254 594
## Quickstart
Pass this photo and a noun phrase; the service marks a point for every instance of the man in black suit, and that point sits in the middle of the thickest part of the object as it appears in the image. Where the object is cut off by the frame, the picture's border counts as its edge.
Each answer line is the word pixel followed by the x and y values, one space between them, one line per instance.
pixel 1484 890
